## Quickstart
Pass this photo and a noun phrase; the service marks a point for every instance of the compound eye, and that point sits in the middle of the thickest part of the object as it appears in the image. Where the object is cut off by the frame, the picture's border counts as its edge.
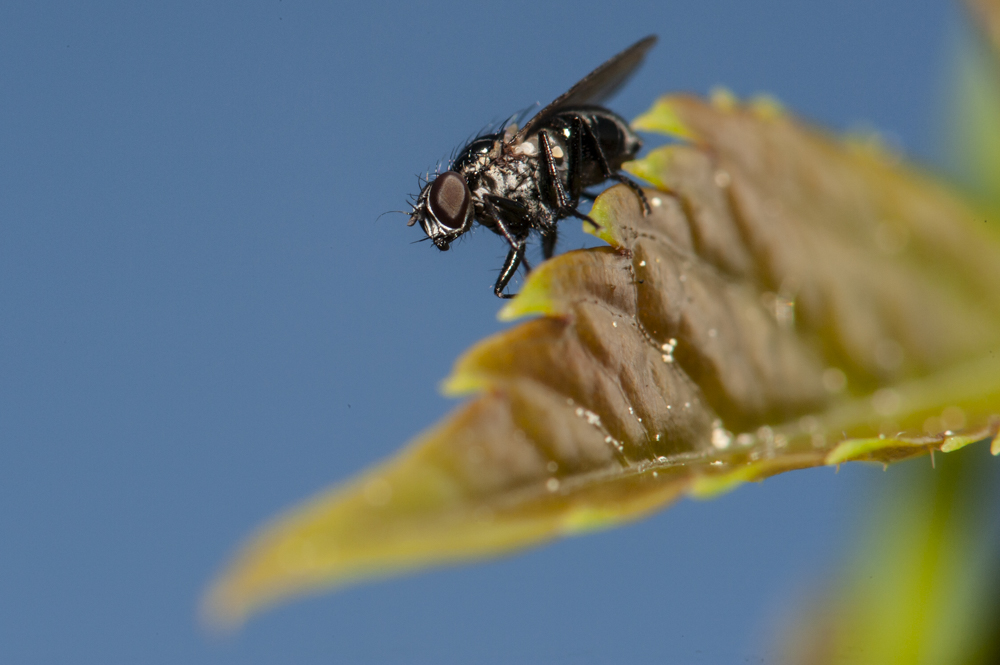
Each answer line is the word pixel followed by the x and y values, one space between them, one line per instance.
pixel 450 199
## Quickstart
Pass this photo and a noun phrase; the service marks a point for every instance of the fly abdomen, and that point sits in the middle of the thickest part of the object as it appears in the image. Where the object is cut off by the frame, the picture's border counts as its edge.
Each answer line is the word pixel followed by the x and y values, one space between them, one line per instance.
pixel 616 140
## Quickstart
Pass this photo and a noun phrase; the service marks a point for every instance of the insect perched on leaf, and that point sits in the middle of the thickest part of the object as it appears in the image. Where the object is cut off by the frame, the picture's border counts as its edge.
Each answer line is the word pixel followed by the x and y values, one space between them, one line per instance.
pixel 518 180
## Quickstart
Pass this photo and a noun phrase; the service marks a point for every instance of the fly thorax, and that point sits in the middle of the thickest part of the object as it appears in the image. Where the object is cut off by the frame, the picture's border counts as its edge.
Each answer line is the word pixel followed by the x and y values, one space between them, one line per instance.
pixel 528 148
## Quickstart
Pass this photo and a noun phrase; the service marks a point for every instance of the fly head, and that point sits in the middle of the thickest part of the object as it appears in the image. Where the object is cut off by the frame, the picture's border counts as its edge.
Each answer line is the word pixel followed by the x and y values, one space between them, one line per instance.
pixel 444 208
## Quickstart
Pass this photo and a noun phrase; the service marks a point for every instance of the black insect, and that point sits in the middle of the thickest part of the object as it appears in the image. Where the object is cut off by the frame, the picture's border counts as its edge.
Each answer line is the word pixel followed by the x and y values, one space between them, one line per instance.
pixel 515 180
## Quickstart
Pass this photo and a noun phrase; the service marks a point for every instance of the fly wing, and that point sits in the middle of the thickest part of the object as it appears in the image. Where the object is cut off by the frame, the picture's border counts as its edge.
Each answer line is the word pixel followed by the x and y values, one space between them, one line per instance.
pixel 596 86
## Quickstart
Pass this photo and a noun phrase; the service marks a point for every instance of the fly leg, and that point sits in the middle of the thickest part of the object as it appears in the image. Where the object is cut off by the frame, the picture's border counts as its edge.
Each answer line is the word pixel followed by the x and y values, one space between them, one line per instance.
pixel 562 198
pixel 515 256
pixel 565 206
pixel 549 243
pixel 634 186
pixel 509 217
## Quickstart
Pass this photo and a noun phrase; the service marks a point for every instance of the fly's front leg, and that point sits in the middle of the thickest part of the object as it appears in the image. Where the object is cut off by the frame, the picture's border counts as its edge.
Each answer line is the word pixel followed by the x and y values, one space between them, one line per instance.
pixel 514 258
pixel 501 224
pixel 549 243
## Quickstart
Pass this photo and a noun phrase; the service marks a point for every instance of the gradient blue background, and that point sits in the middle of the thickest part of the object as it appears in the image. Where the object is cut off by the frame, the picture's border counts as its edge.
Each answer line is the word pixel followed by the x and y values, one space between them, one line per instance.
pixel 202 323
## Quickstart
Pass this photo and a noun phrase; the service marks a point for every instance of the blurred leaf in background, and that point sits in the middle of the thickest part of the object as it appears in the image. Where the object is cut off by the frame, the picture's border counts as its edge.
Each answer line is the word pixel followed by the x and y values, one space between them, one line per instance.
pixel 923 585
pixel 972 149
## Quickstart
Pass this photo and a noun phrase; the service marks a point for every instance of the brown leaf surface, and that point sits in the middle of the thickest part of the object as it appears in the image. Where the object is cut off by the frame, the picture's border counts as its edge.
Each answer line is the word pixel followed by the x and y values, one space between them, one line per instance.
pixel 792 301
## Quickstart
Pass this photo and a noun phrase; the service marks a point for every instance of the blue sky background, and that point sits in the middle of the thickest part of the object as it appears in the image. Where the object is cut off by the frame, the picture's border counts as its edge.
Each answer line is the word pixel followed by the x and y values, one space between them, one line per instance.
pixel 202 323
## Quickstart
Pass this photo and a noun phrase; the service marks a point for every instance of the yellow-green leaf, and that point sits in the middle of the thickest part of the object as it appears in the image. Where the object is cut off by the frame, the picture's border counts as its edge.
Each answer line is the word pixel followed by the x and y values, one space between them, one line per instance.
pixel 792 300
pixel 974 132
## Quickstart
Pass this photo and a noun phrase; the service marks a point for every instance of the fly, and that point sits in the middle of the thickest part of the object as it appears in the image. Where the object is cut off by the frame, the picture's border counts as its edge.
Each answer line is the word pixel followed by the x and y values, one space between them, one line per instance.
pixel 518 180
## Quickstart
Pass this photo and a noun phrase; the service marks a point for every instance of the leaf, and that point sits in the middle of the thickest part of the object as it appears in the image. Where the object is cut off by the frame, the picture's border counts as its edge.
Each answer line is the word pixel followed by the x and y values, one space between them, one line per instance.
pixel 791 301
pixel 974 132
pixel 923 581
